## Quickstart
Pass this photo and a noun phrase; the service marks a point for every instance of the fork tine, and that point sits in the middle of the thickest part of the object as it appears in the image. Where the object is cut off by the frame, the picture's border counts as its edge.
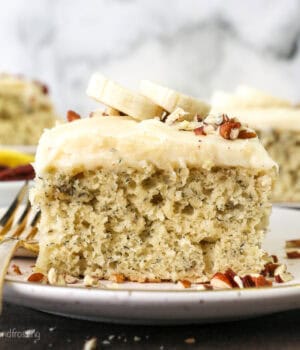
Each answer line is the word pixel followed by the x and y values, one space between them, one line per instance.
pixel 16 234
pixel 25 213
pixel 35 219
pixel 33 225
pixel 12 239
pixel 7 219
pixel 21 223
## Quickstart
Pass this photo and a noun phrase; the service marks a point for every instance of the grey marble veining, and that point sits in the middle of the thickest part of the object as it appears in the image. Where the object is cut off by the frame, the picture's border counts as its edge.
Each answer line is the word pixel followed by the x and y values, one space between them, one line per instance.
pixel 194 46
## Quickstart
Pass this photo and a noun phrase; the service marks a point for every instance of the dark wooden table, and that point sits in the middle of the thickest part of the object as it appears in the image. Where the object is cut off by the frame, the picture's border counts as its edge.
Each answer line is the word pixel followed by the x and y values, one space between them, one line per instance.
pixel 279 331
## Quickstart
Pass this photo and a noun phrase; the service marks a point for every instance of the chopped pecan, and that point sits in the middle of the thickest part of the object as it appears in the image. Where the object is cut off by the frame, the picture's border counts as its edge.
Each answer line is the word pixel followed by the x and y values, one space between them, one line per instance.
pixel 278 279
pixel 246 134
pixel 269 269
pixel 227 128
pixel 198 118
pixel 294 243
pixel 199 131
pixel 153 280
pixel 261 281
pixel 215 120
pixel 71 116
pixel 234 133
pixel 220 280
pixel 16 269
pixel 185 283
pixel 36 277
pixel 118 278
pixel 225 118
pixel 282 275
pixel 247 281
pixel 207 286
pixel 293 254
pixel 231 275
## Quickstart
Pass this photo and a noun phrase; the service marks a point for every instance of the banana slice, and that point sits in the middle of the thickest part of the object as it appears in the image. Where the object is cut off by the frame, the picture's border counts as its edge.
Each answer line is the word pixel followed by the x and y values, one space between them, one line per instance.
pixel 260 98
pixel 170 99
pixel 112 112
pixel 115 96
pixel 221 101
pixel 247 97
pixel 12 158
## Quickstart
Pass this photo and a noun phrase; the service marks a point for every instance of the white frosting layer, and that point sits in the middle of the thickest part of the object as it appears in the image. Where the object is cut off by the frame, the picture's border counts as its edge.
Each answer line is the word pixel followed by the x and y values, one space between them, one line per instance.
pixel 115 141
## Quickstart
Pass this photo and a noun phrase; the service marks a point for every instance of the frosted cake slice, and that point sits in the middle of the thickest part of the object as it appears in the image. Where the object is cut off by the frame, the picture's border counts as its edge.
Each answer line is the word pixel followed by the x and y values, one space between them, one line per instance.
pixel 152 200
pixel 276 122
pixel 25 110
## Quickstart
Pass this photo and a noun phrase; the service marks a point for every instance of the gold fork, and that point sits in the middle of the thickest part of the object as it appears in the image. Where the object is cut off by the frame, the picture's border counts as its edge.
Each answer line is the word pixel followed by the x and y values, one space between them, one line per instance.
pixel 13 235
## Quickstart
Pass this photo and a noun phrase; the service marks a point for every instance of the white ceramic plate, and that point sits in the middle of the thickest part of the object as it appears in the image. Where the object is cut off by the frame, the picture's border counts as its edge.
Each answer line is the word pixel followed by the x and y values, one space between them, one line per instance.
pixel 9 189
pixel 166 303
pixel 31 149
pixel 293 205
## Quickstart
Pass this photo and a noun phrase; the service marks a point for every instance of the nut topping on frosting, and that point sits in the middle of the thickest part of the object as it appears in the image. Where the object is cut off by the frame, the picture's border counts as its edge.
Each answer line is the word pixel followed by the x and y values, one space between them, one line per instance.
pixel 199 131
pixel 71 116
pixel 228 128
pixel 246 134
pixel 177 116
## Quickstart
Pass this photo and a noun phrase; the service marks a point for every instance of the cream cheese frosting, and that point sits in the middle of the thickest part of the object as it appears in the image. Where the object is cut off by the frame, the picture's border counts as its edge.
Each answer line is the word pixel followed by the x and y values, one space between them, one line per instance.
pixel 109 141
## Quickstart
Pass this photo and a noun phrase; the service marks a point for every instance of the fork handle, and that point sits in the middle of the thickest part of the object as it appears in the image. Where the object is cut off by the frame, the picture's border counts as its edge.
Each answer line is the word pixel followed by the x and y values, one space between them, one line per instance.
pixel 7 250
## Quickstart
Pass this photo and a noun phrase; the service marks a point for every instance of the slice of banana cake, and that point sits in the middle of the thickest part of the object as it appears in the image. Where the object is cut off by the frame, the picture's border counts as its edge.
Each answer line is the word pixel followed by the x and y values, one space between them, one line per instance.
pixel 25 110
pixel 276 122
pixel 152 200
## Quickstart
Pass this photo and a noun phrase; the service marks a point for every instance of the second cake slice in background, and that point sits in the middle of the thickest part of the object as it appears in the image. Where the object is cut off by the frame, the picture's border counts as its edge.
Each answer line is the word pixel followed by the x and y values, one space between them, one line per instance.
pixel 277 123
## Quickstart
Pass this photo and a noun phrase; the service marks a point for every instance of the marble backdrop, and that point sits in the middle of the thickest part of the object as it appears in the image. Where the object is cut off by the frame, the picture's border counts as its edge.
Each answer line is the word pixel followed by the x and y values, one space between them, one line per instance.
pixel 194 46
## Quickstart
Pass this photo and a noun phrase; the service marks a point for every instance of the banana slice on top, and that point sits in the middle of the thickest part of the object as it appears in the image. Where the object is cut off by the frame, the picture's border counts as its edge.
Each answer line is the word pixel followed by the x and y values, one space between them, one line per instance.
pixel 260 98
pixel 247 97
pixel 170 99
pixel 115 96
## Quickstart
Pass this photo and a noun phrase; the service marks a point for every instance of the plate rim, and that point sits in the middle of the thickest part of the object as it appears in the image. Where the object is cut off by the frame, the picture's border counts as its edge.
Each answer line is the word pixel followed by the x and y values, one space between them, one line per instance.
pixel 33 285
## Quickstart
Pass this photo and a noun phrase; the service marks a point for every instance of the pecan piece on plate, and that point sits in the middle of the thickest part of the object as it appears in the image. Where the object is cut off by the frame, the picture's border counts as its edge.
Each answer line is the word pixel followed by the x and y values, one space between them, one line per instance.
pixel 36 277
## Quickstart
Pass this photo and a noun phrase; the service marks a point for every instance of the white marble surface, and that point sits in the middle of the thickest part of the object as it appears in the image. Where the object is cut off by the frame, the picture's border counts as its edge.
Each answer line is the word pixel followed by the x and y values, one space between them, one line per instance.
pixel 194 46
